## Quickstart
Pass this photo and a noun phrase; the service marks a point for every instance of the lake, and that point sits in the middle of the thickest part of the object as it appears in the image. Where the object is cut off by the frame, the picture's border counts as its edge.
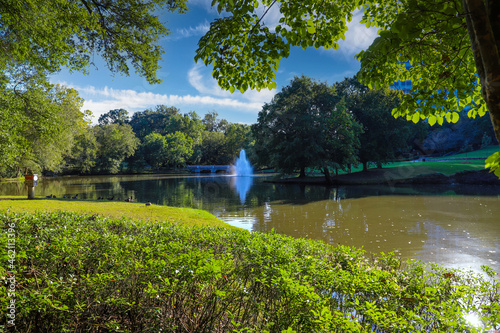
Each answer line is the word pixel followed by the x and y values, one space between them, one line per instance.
pixel 454 226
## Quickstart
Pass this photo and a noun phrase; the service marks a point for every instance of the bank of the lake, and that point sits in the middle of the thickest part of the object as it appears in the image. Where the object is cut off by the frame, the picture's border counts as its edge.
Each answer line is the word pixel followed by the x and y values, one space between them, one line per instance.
pixel 113 209
pixel 91 273
pixel 398 176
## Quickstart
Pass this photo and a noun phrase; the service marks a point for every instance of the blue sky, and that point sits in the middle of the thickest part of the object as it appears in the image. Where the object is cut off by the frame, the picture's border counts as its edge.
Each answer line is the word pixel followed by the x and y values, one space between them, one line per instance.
pixel 190 87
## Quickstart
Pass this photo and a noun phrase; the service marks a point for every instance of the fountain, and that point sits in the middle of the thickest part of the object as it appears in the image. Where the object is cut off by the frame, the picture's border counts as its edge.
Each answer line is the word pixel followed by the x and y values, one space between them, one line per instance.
pixel 243 171
pixel 242 166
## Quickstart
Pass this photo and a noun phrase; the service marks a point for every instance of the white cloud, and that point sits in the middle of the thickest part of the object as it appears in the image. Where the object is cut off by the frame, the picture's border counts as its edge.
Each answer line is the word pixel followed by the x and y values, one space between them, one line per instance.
pixel 101 100
pixel 197 31
pixel 205 4
pixel 201 79
pixel 358 37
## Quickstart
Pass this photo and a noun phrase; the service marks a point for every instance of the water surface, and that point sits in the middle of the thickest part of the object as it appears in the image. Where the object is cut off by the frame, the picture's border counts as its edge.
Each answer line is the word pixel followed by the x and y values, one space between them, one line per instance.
pixel 453 226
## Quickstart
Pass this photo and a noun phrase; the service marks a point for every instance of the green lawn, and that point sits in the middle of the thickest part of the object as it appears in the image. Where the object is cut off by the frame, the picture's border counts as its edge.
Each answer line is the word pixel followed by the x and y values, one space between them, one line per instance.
pixel 129 210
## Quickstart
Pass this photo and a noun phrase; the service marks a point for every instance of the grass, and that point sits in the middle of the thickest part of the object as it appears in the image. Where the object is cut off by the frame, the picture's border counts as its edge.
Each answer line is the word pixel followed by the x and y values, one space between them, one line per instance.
pixel 128 210
pixel 404 170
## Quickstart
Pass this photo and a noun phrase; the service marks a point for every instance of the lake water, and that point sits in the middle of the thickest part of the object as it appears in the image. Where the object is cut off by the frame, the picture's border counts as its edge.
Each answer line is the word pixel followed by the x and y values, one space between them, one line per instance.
pixel 453 226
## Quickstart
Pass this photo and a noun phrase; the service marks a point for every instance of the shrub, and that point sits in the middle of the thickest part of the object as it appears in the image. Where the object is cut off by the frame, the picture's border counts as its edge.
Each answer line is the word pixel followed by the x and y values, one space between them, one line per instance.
pixel 83 273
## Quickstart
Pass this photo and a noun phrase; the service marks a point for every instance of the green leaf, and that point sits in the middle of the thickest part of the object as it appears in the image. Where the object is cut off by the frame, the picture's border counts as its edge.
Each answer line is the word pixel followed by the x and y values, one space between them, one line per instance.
pixel 416 117
pixel 432 120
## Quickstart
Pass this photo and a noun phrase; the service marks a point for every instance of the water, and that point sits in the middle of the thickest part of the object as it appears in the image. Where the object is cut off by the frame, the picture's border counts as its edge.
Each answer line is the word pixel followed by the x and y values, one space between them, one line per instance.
pixel 453 226
pixel 243 172
pixel 242 166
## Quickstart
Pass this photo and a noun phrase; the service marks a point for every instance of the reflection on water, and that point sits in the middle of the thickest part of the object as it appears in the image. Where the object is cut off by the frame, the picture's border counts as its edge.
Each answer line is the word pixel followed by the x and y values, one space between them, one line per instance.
pixel 451 230
pixel 453 226
pixel 242 185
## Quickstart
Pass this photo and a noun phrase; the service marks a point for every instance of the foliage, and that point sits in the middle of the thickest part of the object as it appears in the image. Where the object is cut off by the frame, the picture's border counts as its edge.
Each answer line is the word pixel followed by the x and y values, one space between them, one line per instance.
pixel 115 143
pixel 55 33
pixel 83 156
pixel 212 124
pixel 213 149
pixel 383 136
pixel 148 121
pixel 238 136
pixel 94 274
pixel 154 149
pixel 305 126
pixel 38 123
pixel 447 48
pixel 179 148
pixel 116 116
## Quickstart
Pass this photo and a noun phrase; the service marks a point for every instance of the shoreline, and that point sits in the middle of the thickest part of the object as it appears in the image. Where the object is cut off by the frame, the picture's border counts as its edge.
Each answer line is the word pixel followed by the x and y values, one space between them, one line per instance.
pixel 397 177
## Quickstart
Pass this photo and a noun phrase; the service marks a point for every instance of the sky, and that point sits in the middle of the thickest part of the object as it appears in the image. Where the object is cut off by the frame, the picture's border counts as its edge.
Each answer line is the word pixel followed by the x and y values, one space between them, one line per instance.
pixel 189 86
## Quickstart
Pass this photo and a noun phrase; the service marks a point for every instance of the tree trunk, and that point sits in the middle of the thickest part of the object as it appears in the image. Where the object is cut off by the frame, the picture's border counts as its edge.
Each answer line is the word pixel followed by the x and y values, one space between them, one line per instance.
pixel 379 165
pixel 302 172
pixel 365 166
pixel 483 25
pixel 326 172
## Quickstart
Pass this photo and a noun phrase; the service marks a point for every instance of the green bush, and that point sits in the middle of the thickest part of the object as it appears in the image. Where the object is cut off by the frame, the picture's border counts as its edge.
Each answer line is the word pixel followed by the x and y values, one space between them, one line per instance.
pixel 83 273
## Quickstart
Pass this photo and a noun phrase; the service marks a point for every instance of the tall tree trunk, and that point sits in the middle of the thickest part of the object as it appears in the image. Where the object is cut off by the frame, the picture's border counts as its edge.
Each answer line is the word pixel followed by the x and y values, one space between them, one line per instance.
pixel 365 166
pixel 302 172
pixel 483 25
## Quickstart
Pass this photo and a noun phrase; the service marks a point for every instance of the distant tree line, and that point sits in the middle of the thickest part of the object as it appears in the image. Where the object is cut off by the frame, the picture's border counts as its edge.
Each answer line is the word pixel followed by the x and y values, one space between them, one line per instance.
pixel 156 139
pixel 308 125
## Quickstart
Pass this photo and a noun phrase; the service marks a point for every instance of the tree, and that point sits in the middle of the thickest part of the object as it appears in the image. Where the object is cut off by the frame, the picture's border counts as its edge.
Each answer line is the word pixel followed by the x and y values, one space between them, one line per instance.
pixel 304 126
pixel 82 158
pixel 237 137
pixel 192 126
pixel 116 116
pixel 383 136
pixel 48 35
pixel 38 123
pixel 157 120
pixel 179 148
pixel 213 124
pixel 213 146
pixel 154 149
pixel 449 49
pixel 115 143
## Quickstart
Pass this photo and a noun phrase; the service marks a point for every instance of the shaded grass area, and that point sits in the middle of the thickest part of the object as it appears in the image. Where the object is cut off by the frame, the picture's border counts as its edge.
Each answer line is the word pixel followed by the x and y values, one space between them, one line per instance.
pixel 399 171
pixel 83 273
pixel 129 210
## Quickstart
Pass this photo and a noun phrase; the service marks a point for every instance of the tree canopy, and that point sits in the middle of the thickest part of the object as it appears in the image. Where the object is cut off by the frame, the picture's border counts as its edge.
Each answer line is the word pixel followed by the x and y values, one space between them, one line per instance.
pixel 383 136
pixel 449 49
pixel 51 34
pixel 305 126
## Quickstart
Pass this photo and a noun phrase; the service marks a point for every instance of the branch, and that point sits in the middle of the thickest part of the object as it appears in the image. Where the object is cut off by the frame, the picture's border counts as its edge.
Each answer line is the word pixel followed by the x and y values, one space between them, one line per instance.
pixel 260 19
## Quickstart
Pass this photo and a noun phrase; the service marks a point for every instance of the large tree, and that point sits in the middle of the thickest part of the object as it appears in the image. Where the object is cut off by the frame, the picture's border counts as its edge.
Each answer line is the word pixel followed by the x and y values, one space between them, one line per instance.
pixel 383 137
pixel 38 123
pixel 114 144
pixel 305 127
pixel 450 49
pixel 153 120
pixel 52 34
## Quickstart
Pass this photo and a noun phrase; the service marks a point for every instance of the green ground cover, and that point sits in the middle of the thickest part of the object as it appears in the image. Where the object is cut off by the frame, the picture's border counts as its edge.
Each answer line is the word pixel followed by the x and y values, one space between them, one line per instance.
pixel 446 165
pixel 129 210
pixel 88 273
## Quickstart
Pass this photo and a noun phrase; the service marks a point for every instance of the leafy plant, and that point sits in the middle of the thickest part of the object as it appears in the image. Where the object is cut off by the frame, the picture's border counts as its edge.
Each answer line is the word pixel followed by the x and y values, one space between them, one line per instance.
pixel 91 274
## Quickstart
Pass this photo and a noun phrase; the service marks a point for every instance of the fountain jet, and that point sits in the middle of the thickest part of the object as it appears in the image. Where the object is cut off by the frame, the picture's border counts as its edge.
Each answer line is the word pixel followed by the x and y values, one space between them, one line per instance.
pixel 243 171
pixel 242 166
